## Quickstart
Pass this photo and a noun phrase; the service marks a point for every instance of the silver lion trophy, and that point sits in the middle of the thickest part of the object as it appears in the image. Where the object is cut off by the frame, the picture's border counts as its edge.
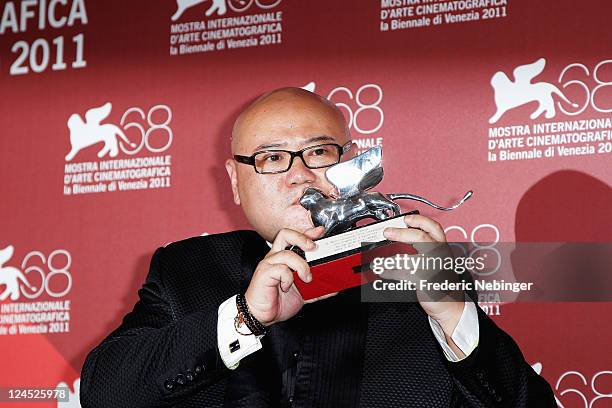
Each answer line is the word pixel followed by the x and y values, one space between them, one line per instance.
pixel 337 259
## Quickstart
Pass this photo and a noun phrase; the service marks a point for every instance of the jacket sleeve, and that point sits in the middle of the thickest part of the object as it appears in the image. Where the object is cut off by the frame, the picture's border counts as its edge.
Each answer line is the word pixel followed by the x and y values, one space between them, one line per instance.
pixel 496 374
pixel 153 359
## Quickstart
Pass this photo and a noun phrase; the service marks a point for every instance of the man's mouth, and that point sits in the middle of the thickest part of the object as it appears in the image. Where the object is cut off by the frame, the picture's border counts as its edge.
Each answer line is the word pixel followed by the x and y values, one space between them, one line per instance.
pixel 331 194
pixel 297 202
pixel 298 198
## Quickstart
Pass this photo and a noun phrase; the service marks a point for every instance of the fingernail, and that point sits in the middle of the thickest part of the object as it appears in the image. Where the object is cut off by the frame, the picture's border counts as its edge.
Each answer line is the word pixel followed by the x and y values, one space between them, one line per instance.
pixel 309 277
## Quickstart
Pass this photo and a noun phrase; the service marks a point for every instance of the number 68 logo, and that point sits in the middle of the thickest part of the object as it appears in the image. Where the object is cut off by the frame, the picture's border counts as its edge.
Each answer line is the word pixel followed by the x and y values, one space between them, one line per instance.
pixel 57 271
pixel 362 106
pixel 353 117
pixel 477 246
pixel 145 134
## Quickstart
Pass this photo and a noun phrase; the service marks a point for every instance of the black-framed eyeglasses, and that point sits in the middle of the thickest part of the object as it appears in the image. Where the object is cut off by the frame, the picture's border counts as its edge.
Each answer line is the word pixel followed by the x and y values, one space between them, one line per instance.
pixel 279 161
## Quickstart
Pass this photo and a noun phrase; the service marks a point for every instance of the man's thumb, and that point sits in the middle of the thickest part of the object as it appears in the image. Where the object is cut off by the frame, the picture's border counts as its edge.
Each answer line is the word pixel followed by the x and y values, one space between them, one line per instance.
pixel 316 232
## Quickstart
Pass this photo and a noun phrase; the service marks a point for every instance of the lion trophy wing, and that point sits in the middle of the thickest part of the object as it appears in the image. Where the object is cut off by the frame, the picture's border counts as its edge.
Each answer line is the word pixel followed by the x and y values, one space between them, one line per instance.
pixel 357 174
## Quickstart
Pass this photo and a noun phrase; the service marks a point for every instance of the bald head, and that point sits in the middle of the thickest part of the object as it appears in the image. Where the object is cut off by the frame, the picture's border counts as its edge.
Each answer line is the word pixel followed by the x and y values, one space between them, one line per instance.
pixel 289 119
pixel 276 108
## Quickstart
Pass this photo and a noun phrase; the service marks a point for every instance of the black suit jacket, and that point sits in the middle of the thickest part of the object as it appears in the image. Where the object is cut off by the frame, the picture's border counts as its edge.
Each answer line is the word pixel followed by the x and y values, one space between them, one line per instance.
pixel 338 352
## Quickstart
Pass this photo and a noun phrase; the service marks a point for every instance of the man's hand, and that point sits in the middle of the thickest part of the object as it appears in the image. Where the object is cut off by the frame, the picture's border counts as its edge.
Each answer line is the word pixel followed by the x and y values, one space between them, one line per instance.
pixel 423 236
pixel 271 296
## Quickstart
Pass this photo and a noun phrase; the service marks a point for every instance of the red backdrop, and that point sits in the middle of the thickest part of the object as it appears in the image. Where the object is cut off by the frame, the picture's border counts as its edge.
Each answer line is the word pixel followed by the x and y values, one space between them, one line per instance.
pixel 425 80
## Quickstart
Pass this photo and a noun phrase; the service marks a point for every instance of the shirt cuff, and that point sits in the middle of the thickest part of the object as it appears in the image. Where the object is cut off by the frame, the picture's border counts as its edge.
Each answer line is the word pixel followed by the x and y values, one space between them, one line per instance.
pixel 465 334
pixel 234 346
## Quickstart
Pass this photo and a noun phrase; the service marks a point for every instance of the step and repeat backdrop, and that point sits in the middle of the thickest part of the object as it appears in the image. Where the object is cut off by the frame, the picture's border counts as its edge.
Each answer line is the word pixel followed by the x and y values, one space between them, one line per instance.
pixel 115 119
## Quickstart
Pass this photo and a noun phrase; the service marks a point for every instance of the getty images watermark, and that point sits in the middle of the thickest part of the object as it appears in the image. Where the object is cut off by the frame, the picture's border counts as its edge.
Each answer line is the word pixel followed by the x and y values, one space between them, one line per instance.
pixel 508 272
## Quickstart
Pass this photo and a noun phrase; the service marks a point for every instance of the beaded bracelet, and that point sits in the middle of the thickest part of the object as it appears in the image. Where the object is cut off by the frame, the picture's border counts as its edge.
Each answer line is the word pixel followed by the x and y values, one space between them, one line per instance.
pixel 252 323
pixel 245 316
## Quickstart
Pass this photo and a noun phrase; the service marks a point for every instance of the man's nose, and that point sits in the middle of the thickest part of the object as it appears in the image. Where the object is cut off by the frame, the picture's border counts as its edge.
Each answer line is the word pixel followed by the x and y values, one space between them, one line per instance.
pixel 298 173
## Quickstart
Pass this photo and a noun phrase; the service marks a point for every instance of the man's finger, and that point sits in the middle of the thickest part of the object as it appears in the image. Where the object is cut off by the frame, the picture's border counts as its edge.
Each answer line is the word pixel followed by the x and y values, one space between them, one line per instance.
pixel 279 274
pixel 422 241
pixel 426 224
pixel 314 233
pixel 286 279
pixel 275 274
pixel 286 237
pixel 407 235
pixel 293 261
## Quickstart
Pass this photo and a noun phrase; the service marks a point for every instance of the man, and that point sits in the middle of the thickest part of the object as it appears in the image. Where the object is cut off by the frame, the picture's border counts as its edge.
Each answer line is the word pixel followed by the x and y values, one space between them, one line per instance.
pixel 220 322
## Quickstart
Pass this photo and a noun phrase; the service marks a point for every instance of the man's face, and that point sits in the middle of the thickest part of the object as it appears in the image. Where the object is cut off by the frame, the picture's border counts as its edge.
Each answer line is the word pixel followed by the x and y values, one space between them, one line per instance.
pixel 286 121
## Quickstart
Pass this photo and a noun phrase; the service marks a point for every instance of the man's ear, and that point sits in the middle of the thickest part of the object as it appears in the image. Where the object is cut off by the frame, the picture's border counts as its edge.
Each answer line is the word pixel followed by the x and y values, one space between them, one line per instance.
pixel 230 166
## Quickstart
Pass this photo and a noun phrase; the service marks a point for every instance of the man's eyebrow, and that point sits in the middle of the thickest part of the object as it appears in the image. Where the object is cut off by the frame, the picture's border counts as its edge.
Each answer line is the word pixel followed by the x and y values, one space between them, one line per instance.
pixel 264 146
pixel 322 138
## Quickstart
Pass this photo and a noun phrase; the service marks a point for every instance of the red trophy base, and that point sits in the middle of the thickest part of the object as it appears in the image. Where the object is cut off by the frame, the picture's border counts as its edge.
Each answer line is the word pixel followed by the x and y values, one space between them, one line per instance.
pixel 342 261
